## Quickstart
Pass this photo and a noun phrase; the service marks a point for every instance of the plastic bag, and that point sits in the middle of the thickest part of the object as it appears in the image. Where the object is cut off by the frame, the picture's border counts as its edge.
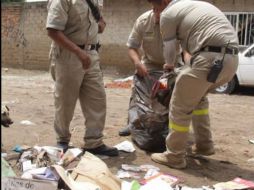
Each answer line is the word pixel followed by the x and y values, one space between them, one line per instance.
pixel 148 110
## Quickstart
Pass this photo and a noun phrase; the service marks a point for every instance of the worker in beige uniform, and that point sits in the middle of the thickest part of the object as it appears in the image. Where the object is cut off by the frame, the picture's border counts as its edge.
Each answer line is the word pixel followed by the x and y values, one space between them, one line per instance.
pixel 145 35
pixel 74 31
pixel 206 34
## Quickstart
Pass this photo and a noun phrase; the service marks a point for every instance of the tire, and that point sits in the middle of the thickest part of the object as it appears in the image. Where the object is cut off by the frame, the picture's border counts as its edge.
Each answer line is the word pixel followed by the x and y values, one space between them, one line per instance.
pixel 227 88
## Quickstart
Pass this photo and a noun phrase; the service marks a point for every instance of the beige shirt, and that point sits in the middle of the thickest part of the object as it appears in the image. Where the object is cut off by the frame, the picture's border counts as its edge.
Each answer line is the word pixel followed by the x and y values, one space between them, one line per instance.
pixel 146 34
pixel 196 24
pixel 75 19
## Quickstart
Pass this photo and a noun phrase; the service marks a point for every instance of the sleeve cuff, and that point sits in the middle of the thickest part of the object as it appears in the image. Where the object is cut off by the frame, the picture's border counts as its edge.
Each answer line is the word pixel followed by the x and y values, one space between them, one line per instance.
pixel 55 27
pixel 132 44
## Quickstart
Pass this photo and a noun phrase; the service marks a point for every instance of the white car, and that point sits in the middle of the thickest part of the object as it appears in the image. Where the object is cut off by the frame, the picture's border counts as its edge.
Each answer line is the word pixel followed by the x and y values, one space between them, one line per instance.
pixel 245 73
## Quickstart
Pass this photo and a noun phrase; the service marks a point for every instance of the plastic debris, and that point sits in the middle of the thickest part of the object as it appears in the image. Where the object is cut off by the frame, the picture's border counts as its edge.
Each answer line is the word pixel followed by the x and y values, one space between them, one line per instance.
pixel 251 160
pixel 251 141
pixel 21 148
pixel 26 122
pixel 134 185
pixel 6 169
pixel 125 146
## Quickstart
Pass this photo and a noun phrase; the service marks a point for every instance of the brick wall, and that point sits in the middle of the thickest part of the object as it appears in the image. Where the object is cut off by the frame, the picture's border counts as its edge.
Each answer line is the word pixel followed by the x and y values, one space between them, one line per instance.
pixel 25 43
pixel 12 35
pixel 24 40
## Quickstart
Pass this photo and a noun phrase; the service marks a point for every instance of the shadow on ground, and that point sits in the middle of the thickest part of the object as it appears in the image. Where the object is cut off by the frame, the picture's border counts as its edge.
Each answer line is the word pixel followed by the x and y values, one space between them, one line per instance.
pixel 217 170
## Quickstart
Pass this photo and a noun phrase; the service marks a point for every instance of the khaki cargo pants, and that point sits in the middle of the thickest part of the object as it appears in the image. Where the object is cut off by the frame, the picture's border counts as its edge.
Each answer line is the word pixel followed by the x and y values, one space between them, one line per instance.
pixel 189 102
pixel 73 83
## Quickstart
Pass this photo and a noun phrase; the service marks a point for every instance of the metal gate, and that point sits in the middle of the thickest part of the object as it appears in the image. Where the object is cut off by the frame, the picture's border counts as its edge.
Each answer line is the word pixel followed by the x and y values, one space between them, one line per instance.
pixel 243 23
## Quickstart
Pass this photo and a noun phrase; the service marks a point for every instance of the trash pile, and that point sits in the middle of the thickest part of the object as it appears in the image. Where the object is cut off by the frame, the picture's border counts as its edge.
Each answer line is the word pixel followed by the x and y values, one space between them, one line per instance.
pixel 121 83
pixel 47 167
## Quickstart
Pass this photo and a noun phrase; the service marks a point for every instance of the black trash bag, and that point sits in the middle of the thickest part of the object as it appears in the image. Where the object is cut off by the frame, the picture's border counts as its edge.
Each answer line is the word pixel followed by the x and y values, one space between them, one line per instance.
pixel 148 111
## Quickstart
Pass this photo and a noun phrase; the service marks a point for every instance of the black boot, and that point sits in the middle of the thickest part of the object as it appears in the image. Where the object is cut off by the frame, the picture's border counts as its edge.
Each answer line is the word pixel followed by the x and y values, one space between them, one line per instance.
pixel 125 131
pixel 103 150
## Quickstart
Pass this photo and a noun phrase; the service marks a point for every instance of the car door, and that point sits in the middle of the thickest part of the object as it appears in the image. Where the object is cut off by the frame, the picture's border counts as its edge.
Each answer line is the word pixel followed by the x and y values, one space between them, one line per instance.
pixel 246 67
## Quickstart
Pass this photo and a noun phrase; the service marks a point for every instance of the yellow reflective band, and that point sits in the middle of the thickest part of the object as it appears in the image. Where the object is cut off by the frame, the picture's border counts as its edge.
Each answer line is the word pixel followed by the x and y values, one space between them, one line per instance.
pixel 200 112
pixel 179 128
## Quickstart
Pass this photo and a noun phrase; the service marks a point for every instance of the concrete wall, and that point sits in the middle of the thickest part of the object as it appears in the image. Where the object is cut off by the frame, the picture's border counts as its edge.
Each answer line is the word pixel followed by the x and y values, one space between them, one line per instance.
pixel 25 43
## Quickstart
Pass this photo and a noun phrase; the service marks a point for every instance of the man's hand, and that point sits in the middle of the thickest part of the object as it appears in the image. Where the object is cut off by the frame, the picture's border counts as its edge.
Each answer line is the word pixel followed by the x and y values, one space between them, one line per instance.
pixel 168 67
pixel 101 25
pixel 84 58
pixel 141 69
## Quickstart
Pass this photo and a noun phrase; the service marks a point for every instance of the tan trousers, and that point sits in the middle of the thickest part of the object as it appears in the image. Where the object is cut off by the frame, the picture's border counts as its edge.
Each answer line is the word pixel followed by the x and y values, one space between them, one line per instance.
pixel 73 83
pixel 189 102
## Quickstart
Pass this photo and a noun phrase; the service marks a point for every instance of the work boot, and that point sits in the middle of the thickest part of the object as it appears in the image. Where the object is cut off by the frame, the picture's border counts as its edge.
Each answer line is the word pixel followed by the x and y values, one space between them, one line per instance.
pixel 63 145
pixel 203 151
pixel 103 150
pixel 163 158
pixel 125 131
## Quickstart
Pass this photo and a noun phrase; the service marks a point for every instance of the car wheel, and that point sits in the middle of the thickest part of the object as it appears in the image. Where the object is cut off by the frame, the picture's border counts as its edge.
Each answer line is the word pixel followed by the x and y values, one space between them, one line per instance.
pixel 227 88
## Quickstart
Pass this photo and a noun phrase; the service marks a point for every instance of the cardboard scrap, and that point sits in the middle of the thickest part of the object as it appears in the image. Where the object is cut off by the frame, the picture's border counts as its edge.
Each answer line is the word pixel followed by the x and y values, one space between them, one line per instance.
pixel 94 170
pixel 14 183
pixel 91 173
pixel 69 156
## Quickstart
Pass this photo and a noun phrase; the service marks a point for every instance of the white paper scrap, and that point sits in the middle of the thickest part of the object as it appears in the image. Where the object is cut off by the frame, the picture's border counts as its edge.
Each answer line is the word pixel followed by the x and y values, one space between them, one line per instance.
pixel 126 146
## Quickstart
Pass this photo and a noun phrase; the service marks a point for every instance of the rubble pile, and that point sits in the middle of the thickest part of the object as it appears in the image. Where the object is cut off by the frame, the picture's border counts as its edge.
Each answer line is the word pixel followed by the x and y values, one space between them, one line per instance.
pixel 48 167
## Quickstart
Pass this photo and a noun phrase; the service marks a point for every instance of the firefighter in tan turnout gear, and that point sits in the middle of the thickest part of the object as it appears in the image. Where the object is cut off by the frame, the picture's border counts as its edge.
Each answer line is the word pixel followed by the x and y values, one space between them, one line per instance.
pixel 145 34
pixel 206 34
pixel 73 26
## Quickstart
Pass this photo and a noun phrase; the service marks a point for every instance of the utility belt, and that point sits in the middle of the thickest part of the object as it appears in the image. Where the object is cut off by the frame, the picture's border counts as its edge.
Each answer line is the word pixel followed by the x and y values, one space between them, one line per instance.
pixel 90 47
pixel 217 65
pixel 216 49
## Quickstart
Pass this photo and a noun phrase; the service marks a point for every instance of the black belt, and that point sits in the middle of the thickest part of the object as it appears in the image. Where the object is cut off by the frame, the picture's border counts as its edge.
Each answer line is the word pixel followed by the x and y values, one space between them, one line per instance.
pixel 216 49
pixel 90 47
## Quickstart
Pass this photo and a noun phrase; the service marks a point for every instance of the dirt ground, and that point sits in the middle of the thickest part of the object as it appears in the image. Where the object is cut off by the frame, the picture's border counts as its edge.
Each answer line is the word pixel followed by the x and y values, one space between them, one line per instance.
pixel 29 97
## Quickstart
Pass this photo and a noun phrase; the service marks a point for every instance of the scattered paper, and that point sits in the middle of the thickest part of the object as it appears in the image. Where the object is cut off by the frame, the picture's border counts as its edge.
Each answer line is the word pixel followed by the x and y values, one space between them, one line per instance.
pixel 27 122
pixel 69 156
pixel 126 146
pixel 29 174
pixel 157 183
pixel 121 174
pixel 150 173
pixel 165 179
pixel 235 184
pixel 27 165
pixel 132 168
pixel 147 167
pixel 47 175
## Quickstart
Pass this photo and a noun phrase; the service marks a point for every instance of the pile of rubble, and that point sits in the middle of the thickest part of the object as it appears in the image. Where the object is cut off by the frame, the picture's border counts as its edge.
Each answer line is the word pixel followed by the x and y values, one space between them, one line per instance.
pixel 47 167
